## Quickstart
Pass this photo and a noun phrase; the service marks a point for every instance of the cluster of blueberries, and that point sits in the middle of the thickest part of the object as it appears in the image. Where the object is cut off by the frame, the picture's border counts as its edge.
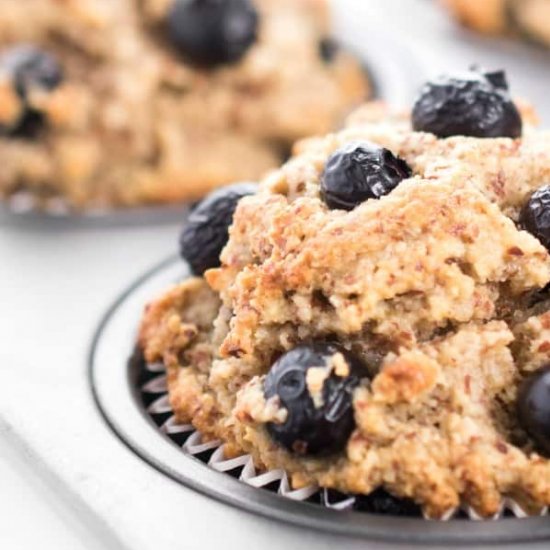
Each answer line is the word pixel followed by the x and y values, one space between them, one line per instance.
pixel 473 104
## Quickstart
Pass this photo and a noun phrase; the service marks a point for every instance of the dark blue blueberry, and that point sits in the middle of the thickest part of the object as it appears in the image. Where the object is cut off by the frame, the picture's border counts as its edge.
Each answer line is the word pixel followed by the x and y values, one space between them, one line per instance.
pixel 29 68
pixel 360 171
pixel 207 229
pixel 382 502
pixel 213 32
pixel 535 215
pixel 310 428
pixel 533 407
pixel 328 49
pixel 471 104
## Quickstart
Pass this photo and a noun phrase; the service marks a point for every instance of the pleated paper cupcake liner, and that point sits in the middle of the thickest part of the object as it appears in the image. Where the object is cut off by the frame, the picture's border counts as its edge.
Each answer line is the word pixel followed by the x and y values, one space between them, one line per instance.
pixel 24 202
pixel 24 205
pixel 211 453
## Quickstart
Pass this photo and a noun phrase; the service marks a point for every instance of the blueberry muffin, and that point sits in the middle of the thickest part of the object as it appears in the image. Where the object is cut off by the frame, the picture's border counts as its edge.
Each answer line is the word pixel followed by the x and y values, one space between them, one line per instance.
pixel 130 102
pixel 379 315
pixel 527 18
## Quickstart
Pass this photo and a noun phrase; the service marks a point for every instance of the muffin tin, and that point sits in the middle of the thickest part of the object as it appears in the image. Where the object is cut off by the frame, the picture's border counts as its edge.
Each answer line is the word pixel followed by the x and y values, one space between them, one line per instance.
pixel 132 398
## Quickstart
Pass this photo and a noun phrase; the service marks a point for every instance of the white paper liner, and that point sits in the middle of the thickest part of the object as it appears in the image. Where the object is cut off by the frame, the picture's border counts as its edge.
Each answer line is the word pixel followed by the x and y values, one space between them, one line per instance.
pixel 24 202
pixel 251 476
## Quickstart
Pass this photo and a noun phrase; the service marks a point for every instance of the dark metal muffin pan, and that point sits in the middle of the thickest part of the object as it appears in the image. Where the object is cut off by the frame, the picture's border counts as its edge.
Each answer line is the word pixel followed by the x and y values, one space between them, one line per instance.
pixel 117 378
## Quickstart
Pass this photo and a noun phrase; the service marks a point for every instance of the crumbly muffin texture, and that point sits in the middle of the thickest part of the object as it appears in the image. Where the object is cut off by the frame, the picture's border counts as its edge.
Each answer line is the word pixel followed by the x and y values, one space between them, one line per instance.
pixel 527 18
pixel 133 123
pixel 432 285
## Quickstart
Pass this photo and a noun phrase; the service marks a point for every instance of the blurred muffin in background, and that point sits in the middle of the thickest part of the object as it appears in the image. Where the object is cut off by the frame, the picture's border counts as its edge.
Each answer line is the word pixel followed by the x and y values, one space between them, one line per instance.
pixel 131 102
pixel 527 18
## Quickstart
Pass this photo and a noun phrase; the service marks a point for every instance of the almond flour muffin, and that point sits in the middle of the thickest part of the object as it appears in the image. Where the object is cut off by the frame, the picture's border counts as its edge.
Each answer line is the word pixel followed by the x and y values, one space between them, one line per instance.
pixel 128 102
pixel 378 316
pixel 528 18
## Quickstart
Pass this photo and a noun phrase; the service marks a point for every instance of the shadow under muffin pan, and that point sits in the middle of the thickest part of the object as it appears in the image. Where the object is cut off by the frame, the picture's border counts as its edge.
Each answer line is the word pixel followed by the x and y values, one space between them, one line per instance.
pixel 132 398
pixel 394 78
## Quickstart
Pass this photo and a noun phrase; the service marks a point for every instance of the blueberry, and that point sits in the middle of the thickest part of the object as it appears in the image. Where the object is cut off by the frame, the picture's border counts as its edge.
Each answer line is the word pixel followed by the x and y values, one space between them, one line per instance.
pixel 535 215
pixel 328 49
pixel 360 171
pixel 472 104
pixel 313 427
pixel 29 68
pixel 382 502
pixel 533 407
pixel 207 228
pixel 213 32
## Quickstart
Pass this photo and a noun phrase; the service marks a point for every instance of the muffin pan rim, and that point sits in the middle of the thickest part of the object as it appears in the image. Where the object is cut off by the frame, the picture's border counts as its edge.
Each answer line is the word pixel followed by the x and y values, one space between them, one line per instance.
pixel 116 396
